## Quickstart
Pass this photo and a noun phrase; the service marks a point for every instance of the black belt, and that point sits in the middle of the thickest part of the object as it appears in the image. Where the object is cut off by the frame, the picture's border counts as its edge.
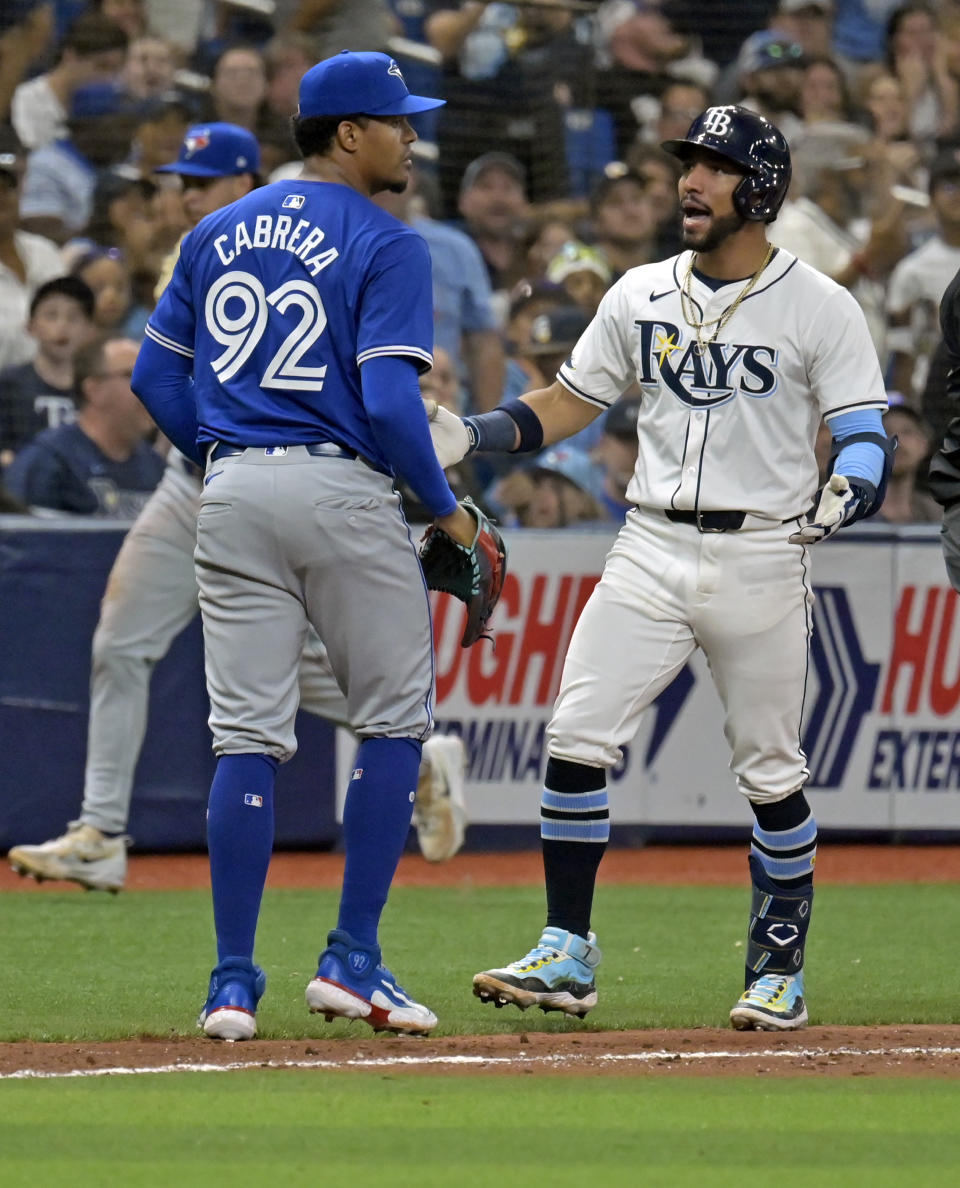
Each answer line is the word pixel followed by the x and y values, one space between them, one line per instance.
pixel 319 449
pixel 708 521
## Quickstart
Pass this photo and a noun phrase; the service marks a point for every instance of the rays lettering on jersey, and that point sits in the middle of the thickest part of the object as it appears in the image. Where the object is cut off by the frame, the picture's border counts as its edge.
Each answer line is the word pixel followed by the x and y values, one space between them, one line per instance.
pixel 707 380
pixel 279 234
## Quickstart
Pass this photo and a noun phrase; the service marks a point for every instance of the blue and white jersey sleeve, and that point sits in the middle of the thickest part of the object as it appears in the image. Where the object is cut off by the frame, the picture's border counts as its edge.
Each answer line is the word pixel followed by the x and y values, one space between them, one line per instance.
pixel 396 305
pixel 172 324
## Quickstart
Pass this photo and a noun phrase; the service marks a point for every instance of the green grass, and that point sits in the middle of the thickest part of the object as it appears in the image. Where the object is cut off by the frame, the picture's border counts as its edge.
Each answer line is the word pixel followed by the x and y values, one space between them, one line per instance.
pixel 298 1128
pixel 91 967
pixel 95 967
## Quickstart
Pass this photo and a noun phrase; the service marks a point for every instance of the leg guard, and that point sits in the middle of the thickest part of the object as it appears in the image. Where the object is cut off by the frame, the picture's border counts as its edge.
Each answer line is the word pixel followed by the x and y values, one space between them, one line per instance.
pixel 779 919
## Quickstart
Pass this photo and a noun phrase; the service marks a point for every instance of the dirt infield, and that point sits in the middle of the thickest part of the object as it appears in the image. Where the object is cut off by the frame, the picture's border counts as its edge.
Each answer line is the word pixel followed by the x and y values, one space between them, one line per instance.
pixel 697 865
pixel 931 1051
pixel 914 1051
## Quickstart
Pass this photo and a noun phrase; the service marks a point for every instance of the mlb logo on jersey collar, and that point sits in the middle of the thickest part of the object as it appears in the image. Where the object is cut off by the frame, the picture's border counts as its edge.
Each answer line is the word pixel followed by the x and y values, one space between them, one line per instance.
pixel 293 201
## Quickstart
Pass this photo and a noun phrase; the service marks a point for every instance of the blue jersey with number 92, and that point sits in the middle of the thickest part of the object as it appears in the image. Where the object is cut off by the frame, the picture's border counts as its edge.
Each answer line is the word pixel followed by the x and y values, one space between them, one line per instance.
pixel 279 298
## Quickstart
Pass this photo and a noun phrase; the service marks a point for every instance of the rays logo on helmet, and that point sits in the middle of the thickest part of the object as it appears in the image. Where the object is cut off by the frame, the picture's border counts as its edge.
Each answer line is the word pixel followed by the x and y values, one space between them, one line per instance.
pixel 717 121
pixel 394 69
pixel 195 142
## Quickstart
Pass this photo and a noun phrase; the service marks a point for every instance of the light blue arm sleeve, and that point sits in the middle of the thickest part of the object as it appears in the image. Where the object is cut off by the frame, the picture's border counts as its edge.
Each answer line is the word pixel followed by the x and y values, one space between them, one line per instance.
pixel 860 459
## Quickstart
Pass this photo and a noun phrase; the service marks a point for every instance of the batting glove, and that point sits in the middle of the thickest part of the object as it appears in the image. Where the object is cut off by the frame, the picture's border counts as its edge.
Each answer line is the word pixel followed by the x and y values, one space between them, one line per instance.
pixel 839 503
pixel 451 439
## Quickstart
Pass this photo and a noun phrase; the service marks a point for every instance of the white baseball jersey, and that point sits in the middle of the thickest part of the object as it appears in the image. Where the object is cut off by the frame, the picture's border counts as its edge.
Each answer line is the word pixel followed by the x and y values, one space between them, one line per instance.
pixel 733 429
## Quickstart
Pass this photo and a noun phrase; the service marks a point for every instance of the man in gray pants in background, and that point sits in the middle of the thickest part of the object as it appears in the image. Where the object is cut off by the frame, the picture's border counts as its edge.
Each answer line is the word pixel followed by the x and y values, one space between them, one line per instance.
pixel 150 598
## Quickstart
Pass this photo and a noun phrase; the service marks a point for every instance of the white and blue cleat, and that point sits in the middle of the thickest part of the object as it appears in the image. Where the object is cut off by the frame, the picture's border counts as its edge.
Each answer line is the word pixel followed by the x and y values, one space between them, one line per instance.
pixel 556 975
pixel 230 1012
pixel 773 1002
pixel 351 983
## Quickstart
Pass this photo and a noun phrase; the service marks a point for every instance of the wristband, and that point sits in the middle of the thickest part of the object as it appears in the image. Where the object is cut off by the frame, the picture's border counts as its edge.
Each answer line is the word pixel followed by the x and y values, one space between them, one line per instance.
pixel 529 424
pixel 491 432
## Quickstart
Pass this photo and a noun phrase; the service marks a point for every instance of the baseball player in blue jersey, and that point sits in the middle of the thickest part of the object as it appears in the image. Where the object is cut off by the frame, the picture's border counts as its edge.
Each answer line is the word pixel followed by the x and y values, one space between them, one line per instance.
pixel 284 357
pixel 738 350
pixel 151 596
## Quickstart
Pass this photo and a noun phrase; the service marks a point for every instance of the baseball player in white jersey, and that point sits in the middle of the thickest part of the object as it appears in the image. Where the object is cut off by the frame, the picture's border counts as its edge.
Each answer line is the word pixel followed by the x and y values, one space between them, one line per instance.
pixel 738 350
pixel 150 598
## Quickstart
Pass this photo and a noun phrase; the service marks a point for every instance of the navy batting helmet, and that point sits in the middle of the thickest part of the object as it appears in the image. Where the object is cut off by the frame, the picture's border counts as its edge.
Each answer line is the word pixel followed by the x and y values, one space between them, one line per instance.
pixel 751 142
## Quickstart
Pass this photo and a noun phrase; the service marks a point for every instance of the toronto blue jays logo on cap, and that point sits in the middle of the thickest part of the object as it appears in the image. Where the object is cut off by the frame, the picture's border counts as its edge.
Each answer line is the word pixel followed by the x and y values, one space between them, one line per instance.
pixel 195 140
pixel 364 83
pixel 216 150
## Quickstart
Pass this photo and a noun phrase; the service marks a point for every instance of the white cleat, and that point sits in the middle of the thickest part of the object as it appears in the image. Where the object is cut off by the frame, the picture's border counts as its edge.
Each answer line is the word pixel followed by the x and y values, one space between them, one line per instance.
pixel 440 813
pixel 353 983
pixel 82 855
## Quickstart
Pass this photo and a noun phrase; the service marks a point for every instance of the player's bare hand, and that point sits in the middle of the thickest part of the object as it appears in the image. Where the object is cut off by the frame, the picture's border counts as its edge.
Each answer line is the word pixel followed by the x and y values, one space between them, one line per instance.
pixel 460 525
pixel 451 441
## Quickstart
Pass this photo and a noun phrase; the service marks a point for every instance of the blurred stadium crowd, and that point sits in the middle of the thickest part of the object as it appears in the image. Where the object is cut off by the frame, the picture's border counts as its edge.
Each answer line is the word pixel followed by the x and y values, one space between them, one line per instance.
pixel 538 184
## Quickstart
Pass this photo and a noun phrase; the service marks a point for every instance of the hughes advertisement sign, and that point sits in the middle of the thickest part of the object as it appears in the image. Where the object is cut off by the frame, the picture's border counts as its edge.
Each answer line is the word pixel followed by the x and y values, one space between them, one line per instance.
pixel 881 728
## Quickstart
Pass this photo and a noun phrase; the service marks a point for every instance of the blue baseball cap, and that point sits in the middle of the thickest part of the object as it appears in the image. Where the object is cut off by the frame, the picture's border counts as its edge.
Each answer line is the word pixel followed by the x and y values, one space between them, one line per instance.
pixel 215 150
pixel 574 465
pixel 93 100
pixel 768 50
pixel 359 84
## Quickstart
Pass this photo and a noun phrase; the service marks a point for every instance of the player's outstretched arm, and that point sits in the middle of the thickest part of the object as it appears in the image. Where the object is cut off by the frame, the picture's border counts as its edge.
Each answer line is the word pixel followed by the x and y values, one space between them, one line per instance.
pixel 523 426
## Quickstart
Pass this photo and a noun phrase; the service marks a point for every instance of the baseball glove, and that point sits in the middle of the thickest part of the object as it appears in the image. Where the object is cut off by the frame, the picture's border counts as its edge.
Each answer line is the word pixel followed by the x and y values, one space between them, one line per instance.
pixel 475 575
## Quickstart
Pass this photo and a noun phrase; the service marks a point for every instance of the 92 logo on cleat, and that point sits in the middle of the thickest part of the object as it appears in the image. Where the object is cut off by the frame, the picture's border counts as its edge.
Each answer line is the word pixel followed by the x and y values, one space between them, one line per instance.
pixel 359 962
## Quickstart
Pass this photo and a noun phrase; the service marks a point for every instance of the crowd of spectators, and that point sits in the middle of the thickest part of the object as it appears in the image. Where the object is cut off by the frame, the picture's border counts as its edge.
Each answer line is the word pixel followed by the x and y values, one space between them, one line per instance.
pixel 538 184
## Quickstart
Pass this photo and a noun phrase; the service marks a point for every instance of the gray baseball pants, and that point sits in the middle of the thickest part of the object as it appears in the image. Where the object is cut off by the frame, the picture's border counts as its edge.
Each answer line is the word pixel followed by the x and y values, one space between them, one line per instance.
pixel 150 598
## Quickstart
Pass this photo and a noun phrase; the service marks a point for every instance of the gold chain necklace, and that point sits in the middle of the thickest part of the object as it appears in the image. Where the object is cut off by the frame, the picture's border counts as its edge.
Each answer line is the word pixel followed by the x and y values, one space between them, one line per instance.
pixel 688 306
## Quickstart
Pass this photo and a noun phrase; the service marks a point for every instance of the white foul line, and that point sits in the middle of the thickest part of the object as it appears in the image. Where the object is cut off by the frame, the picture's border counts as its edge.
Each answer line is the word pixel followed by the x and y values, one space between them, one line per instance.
pixel 521 1059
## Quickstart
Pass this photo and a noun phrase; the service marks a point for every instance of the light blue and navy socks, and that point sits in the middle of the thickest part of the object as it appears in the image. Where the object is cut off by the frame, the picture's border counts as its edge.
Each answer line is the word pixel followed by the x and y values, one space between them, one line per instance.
pixel 782 857
pixel 785 840
pixel 574 831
